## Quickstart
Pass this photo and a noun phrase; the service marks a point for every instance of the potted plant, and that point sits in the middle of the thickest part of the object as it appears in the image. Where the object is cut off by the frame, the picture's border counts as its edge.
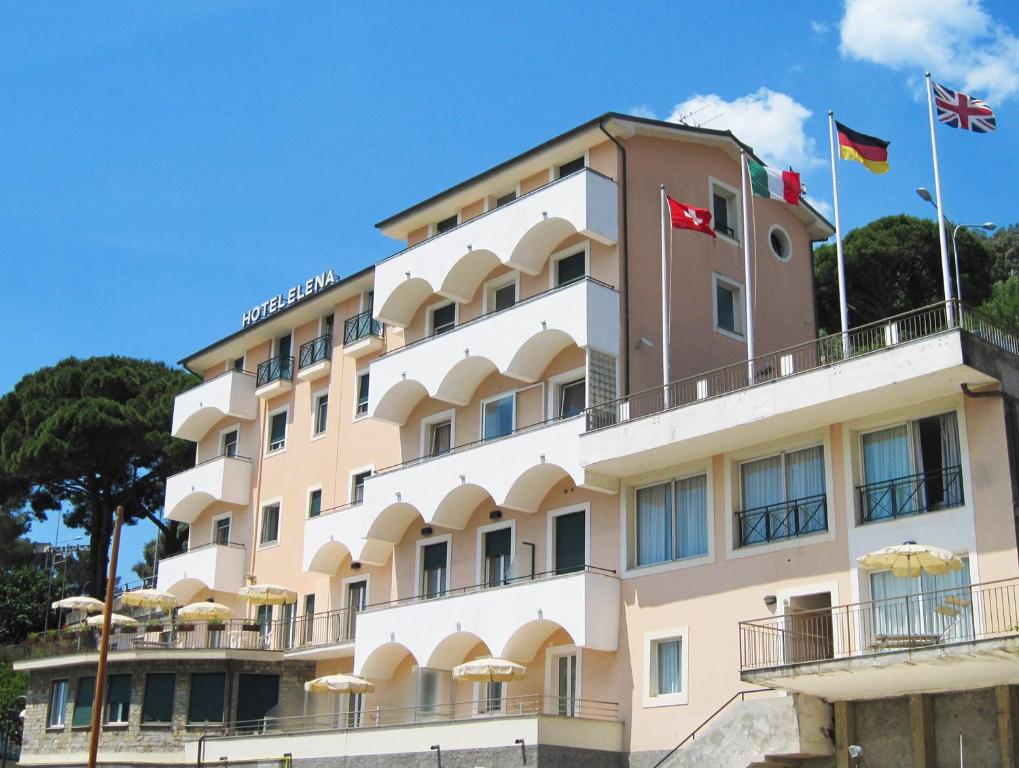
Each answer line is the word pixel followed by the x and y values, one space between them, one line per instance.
pixel 251 626
pixel 216 626
pixel 153 626
pixel 185 627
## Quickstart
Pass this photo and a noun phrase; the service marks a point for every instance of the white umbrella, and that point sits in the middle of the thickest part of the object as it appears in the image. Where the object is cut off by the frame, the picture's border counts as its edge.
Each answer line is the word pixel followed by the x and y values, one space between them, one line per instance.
pixel 909 560
pixel 149 598
pixel 490 670
pixel 339 683
pixel 116 620
pixel 79 603
pixel 207 611
pixel 268 594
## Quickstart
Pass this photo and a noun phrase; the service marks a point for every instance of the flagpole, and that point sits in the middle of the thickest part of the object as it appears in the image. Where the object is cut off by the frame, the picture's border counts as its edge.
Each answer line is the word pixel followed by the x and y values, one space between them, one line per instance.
pixel 748 288
pixel 839 254
pixel 666 221
pixel 942 232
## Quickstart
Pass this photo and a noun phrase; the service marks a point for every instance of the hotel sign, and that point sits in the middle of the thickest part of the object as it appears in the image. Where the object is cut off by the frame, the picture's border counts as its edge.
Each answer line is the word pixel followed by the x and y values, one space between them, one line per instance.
pixel 281 301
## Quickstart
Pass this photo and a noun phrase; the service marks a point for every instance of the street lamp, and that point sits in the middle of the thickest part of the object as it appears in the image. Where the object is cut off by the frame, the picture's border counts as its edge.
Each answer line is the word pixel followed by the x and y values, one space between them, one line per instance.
pixel 990 226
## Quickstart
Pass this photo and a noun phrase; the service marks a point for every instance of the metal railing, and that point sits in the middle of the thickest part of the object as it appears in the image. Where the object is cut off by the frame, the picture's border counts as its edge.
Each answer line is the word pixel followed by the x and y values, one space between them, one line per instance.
pixel 919 620
pixel 233 544
pixel 449 711
pixel 911 495
pixel 726 230
pixel 785 520
pixel 315 351
pixel 809 356
pixel 361 326
pixel 275 369
pixel 327 628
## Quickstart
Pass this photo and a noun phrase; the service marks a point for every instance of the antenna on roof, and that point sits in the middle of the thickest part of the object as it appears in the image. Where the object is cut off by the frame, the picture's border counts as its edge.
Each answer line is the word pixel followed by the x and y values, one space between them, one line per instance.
pixel 684 119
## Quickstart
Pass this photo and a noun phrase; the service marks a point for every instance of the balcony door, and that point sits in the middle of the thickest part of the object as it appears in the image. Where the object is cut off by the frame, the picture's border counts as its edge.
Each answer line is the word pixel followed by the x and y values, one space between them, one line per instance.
pixel 283 346
pixel 565 682
pixel 498 548
pixel 434 567
pixel 230 439
pixel 357 601
pixel 221 531
pixel 570 534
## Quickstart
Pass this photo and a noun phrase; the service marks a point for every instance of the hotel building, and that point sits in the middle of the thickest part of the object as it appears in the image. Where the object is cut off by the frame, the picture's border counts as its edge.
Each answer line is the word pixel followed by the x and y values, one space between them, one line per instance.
pixel 466 451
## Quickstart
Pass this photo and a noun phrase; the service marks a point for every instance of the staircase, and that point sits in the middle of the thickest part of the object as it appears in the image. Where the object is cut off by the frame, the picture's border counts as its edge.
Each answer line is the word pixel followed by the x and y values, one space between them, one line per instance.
pixel 774 732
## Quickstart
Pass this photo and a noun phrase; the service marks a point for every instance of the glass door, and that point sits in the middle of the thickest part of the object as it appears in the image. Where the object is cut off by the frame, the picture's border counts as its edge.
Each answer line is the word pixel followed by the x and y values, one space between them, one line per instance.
pixel 433 567
pixel 357 601
pixel 497 557
pixel 566 685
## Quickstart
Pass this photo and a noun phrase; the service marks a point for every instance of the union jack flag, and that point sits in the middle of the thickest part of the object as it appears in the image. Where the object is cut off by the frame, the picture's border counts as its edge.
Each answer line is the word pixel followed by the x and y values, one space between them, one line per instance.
pixel 958 110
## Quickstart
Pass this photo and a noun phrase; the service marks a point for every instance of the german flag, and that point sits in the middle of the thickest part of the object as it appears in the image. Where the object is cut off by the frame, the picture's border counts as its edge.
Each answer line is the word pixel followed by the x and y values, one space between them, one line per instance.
pixel 870 151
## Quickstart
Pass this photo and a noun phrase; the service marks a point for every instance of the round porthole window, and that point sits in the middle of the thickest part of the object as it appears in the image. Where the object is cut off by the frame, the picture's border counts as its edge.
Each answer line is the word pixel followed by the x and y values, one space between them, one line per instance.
pixel 780 244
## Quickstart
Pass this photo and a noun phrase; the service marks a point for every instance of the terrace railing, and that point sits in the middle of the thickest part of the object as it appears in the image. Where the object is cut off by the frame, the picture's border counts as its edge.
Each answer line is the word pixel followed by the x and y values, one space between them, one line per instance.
pixel 911 495
pixel 785 520
pixel 275 369
pixel 361 327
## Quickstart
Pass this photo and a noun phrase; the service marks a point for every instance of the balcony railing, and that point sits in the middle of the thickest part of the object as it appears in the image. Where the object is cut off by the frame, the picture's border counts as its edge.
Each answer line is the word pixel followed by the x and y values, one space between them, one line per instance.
pixel 920 620
pixel 809 356
pixel 275 369
pixel 460 711
pixel 327 628
pixel 315 351
pixel 361 327
pixel 726 230
pixel 200 547
pixel 785 520
pixel 911 495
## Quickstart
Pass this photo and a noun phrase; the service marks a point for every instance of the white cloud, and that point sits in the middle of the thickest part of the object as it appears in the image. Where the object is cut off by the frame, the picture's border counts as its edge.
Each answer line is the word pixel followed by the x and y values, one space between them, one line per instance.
pixel 819 27
pixel 771 122
pixel 642 111
pixel 823 207
pixel 961 44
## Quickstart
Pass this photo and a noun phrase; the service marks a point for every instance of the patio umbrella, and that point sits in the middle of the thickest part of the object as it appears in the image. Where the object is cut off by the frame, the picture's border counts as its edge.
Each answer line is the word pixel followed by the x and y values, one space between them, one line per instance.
pixel 339 683
pixel 489 670
pixel 149 598
pixel 268 594
pixel 909 560
pixel 207 611
pixel 116 619
pixel 79 603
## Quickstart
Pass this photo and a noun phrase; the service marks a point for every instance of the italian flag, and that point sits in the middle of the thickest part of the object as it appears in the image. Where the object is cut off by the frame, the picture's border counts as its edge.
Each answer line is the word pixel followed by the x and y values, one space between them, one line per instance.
pixel 778 185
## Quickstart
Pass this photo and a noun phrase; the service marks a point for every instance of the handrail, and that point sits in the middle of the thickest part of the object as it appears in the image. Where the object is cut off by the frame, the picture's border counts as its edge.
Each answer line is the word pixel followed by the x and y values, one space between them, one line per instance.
pixel 874 497
pixel 210 461
pixel 279 368
pixel 788 516
pixel 542 188
pixel 232 544
pixel 486 315
pixel 361 326
pixel 741 695
pixel 315 351
pixel 338 508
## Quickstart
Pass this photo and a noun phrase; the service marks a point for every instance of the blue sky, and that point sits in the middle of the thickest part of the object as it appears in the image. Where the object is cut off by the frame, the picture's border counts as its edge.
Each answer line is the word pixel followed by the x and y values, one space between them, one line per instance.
pixel 163 166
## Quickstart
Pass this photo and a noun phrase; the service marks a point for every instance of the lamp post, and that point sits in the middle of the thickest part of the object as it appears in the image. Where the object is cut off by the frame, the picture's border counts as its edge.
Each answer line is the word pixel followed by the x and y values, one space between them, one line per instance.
pixel 990 226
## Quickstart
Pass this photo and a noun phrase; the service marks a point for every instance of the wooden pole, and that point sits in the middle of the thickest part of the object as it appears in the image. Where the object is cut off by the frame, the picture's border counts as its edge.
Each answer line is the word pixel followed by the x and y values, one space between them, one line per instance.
pixel 104 644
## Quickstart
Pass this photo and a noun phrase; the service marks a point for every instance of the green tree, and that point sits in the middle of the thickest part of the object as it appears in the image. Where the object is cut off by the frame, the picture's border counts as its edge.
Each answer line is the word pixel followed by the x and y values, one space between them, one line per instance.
pixel 1003 306
pixel 13 690
pixel 175 542
pixel 84 436
pixel 23 602
pixel 893 265
pixel 1004 245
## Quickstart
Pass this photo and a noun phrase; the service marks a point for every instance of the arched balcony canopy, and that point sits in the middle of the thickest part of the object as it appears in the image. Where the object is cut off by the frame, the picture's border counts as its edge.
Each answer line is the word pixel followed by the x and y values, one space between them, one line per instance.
pixel 383 661
pixel 452 650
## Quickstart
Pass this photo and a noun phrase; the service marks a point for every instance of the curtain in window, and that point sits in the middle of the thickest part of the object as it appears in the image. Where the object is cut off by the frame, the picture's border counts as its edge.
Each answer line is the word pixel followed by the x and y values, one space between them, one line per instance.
pixel 948 612
pixel 950 458
pixel 654 524
pixel 897 612
pixel 762 486
pixel 886 458
pixel 669 674
pixel 692 516
pixel 804 473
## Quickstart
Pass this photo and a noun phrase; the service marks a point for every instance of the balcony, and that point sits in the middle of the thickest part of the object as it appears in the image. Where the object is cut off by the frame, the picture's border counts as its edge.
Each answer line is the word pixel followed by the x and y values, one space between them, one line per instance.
pixel 362 335
pixel 216 567
pixel 911 495
pixel 275 377
pixel 785 520
pixel 958 638
pixel 313 358
pixel 225 478
pixel 229 395
pixel 879 367
pixel 324 635
pixel 338 533
pixel 512 620
pixel 521 234
pixel 519 341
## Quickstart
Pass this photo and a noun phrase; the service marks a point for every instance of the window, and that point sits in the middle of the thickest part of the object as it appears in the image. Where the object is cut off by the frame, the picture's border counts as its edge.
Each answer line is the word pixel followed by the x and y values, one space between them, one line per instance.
pixel 361 408
pixel 446 224
pixel 780 243
pixel 509 197
pixel 257 697
pixel 571 268
pixel 357 486
pixel 665 667
pixel 498 548
pixel 283 345
pixel 490 697
pixel 277 432
pixel 500 294
pixel 315 503
pixel 321 411
pixel 58 704
pixel 728 307
pixel 205 703
pixel 230 443
pixel 433 569
pixel 440 437
pixel 443 318
pixel 667 675
pixel 926 610
pixel 723 210
pixel 263 617
pixel 569 167
pixel 328 323
pixel 221 531
pixel 571 398
pixel 497 416
pixel 270 532
pixel 783 496
pixel 309 618
pixel 84 697
pixel 238 364
pixel 118 698
pixel 911 469
pixel 671 521
pixel 355 706
pixel 157 702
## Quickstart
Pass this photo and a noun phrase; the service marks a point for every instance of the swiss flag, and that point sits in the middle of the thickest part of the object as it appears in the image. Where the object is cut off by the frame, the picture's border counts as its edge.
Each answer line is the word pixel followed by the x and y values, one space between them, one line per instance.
pixel 688 217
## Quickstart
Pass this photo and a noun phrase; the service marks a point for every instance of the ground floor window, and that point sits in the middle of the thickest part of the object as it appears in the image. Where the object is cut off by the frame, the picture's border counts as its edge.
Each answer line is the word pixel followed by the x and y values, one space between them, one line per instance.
pixel 207 699
pixel 157 702
pixel 84 695
pixel 58 704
